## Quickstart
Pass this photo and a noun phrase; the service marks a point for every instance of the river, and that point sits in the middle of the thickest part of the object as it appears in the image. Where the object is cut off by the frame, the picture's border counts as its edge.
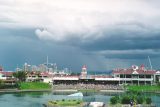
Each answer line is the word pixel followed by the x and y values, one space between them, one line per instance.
pixel 36 99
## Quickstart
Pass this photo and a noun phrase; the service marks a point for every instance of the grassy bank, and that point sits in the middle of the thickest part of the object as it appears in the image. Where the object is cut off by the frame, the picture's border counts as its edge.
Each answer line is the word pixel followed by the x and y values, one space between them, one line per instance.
pixel 33 86
pixel 88 90
pixel 144 88
pixel 65 103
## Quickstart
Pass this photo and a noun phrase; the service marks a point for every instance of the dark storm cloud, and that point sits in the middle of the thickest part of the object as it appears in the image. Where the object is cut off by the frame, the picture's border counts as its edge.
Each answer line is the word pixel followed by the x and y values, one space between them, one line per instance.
pixel 122 44
pixel 134 56
pixel 18 46
pixel 124 41
pixel 65 31
pixel 25 33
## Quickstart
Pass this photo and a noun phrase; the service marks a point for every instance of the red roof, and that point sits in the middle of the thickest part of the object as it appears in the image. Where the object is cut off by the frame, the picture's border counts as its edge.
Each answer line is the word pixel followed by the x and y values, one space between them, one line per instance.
pixel 142 65
pixel 44 74
pixel 6 73
pixel 68 76
pixel 130 71
pixel 84 66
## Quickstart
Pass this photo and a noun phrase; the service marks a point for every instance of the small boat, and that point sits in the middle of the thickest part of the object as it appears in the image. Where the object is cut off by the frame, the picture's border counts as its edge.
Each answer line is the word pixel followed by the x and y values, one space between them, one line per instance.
pixel 79 94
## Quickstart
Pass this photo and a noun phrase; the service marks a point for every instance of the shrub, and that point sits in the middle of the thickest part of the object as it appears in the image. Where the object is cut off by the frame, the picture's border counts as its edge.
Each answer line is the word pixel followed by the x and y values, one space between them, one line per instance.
pixel 63 99
pixel 140 100
pixel 139 94
pixel 148 100
pixel 125 100
pixel 134 97
pixel 78 102
pixel 2 86
pixel 114 100
pixel 54 102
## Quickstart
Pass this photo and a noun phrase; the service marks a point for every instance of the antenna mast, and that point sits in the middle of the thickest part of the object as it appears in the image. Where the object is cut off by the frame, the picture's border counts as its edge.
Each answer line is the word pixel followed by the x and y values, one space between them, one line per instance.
pixel 47 60
pixel 150 62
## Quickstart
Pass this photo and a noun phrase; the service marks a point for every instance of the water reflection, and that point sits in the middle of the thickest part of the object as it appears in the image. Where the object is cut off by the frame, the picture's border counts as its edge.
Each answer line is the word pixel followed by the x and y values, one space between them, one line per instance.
pixel 36 99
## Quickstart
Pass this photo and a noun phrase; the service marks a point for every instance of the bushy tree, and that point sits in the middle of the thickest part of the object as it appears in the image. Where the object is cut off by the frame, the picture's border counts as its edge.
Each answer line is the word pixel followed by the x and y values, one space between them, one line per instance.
pixel 148 100
pixel 78 102
pixel 140 100
pixel 1 83
pixel 20 75
pixel 125 100
pixel 114 100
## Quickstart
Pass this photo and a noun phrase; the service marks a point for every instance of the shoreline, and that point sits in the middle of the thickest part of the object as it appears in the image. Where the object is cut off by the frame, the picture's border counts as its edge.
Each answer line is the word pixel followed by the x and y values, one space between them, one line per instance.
pixel 113 91
pixel 66 90
pixel 29 90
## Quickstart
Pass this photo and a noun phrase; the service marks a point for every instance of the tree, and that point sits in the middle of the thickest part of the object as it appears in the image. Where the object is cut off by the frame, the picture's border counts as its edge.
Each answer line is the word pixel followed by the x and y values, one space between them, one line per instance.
pixel 1 84
pixel 125 100
pixel 148 100
pixel 114 100
pixel 140 100
pixel 20 75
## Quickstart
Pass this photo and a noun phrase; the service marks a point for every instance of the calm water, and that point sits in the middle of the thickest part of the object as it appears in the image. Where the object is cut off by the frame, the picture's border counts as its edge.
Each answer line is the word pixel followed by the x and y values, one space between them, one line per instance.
pixel 36 99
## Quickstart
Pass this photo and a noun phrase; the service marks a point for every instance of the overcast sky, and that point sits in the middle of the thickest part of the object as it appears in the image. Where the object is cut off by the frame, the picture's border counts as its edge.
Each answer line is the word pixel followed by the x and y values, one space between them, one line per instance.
pixel 103 34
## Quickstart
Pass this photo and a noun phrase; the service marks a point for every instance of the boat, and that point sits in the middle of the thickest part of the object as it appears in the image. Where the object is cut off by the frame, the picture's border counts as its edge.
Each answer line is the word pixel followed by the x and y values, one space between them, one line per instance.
pixel 79 94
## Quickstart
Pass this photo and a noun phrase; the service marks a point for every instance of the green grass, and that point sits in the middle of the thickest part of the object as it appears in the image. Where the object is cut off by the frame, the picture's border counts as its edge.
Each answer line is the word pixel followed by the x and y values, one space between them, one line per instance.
pixel 65 103
pixel 33 86
pixel 144 88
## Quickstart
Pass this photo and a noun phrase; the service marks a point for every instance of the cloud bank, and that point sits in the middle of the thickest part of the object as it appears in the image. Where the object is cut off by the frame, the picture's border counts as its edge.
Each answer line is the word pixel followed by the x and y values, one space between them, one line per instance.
pixel 85 19
pixel 106 29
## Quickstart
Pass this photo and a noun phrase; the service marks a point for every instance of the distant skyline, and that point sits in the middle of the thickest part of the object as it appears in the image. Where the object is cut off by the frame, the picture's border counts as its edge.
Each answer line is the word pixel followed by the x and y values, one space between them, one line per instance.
pixel 104 34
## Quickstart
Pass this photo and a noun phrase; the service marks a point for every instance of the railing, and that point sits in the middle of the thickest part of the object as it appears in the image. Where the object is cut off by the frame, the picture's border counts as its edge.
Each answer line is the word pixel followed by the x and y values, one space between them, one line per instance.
pixel 139 79
pixel 123 79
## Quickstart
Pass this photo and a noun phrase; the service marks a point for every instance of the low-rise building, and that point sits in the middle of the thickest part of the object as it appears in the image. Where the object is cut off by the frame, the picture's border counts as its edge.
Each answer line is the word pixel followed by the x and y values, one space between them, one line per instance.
pixel 136 75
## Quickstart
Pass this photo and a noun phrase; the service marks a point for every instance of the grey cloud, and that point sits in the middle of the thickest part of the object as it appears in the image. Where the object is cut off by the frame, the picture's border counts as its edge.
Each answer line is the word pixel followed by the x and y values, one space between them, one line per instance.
pixel 72 31
pixel 133 56
pixel 121 41
pixel 21 45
